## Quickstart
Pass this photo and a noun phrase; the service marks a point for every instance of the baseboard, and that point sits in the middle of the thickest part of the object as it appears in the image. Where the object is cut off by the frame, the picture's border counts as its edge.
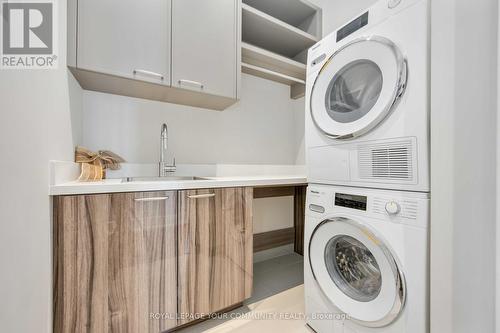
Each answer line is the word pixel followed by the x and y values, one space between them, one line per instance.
pixel 271 239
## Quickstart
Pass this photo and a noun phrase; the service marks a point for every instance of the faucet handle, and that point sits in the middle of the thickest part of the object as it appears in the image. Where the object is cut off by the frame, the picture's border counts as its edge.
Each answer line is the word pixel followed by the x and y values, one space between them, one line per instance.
pixel 168 168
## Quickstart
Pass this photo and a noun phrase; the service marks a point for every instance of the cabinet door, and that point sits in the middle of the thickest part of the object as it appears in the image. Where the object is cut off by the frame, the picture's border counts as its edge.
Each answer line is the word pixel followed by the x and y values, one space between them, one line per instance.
pixel 127 38
pixel 115 263
pixel 205 46
pixel 215 250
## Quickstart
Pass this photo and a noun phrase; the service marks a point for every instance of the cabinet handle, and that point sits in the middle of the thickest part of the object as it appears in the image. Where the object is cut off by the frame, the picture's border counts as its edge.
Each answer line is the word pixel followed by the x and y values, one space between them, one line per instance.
pixel 192 83
pixel 151 199
pixel 144 72
pixel 201 196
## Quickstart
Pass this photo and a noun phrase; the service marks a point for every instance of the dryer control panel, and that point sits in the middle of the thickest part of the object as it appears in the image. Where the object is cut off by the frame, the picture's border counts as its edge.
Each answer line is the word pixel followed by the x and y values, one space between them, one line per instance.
pixel 352 27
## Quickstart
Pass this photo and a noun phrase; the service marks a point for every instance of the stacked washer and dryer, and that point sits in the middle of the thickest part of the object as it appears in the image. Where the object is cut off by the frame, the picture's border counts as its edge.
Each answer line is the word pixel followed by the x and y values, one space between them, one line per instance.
pixel 367 137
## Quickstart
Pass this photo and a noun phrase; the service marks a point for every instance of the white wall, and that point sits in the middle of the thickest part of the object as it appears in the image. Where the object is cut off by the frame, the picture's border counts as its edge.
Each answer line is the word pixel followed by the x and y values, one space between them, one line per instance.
pixel 38 109
pixel 259 129
pixel 299 110
pixel 463 121
pixel 497 224
pixel 272 214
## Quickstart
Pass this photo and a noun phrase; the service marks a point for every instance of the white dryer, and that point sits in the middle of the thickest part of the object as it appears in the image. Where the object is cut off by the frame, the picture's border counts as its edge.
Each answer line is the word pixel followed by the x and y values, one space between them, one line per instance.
pixel 365 260
pixel 367 100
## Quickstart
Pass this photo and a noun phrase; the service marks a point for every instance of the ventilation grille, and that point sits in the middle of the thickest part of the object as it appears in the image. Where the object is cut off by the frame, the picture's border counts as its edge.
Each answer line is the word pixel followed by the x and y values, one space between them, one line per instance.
pixel 393 160
pixel 408 208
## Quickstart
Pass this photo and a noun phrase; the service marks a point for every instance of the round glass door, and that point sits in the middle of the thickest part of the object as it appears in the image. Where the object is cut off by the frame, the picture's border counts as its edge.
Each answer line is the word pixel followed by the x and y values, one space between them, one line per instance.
pixel 353 92
pixel 358 87
pixel 357 272
pixel 353 268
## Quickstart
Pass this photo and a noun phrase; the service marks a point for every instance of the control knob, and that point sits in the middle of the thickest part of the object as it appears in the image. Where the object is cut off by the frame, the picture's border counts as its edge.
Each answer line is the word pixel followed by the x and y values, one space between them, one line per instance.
pixel 392 208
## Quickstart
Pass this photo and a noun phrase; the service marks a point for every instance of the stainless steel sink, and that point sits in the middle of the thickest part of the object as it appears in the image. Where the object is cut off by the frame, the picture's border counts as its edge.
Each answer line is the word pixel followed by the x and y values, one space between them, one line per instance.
pixel 159 179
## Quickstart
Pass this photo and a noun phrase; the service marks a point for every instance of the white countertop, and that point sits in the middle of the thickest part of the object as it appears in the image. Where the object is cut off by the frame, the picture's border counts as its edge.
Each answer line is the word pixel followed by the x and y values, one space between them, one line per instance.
pixel 116 185
pixel 63 175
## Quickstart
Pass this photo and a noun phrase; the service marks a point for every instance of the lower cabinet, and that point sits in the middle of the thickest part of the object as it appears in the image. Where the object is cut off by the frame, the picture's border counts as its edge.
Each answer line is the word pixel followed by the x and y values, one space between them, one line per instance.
pixel 149 261
pixel 215 247
pixel 115 262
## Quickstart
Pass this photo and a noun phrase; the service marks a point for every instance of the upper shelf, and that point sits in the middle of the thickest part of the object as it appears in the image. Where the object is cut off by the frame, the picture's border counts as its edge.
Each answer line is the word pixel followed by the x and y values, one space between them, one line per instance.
pixel 298 13
pixel 275 37
pixel 270 33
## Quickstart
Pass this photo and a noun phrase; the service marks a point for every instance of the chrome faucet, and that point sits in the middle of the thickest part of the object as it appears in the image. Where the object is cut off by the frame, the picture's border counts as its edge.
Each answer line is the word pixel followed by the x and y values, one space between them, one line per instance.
pixel 164 167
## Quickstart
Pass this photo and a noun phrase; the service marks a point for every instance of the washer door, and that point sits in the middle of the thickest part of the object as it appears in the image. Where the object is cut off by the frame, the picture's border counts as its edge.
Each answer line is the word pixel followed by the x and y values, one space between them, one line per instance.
pixel 358 87
pixel 357 272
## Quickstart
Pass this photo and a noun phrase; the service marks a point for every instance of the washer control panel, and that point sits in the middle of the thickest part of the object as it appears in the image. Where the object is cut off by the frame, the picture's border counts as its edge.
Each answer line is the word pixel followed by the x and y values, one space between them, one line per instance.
pixel 372 205
pixel 351 201
pixel 352 27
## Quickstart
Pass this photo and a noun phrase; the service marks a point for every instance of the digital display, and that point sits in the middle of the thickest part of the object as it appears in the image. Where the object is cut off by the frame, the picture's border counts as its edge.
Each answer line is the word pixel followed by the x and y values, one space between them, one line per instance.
pixel 352 27
pixel 350 201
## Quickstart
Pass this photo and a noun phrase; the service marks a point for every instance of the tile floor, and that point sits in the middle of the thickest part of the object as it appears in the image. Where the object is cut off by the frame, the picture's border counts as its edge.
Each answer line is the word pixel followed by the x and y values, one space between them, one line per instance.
pixel 277 303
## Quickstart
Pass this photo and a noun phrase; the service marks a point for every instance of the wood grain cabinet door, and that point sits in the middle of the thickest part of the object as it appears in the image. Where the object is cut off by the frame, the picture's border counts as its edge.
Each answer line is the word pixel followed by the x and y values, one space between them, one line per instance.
pixel 115 262
pixel 215 250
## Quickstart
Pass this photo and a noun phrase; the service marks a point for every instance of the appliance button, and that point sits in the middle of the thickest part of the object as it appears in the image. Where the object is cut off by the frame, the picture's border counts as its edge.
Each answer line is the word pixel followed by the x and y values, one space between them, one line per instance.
pixel 317 208
pixel 392 208
pixel 318 59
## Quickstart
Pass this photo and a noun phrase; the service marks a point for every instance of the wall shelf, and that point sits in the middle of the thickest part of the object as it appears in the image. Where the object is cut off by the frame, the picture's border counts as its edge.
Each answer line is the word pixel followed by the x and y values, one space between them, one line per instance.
pixel 260 57
pixel 298 13
pixel 276 35
pixel 297 86
pixel 265 31
pixel 269 74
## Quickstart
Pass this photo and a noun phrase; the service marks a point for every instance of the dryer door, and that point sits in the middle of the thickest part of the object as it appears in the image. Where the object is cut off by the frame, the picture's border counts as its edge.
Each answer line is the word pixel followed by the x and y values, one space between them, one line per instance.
pixel 358 87
pixel 357 272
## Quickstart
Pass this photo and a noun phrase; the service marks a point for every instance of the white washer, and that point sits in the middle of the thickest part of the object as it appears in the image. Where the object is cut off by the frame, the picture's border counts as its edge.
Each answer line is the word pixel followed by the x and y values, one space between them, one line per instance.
pixel 366 257
pixel 367 100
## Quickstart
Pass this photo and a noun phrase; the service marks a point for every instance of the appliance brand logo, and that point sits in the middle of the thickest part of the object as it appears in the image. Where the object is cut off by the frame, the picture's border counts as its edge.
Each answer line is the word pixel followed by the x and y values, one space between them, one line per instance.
pixel 28 34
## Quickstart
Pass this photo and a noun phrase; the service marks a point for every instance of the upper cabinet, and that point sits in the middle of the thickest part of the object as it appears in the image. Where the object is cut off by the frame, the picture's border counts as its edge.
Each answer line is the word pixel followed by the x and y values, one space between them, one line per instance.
pixel 204 46
pixel 127 38
pixel 178 51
